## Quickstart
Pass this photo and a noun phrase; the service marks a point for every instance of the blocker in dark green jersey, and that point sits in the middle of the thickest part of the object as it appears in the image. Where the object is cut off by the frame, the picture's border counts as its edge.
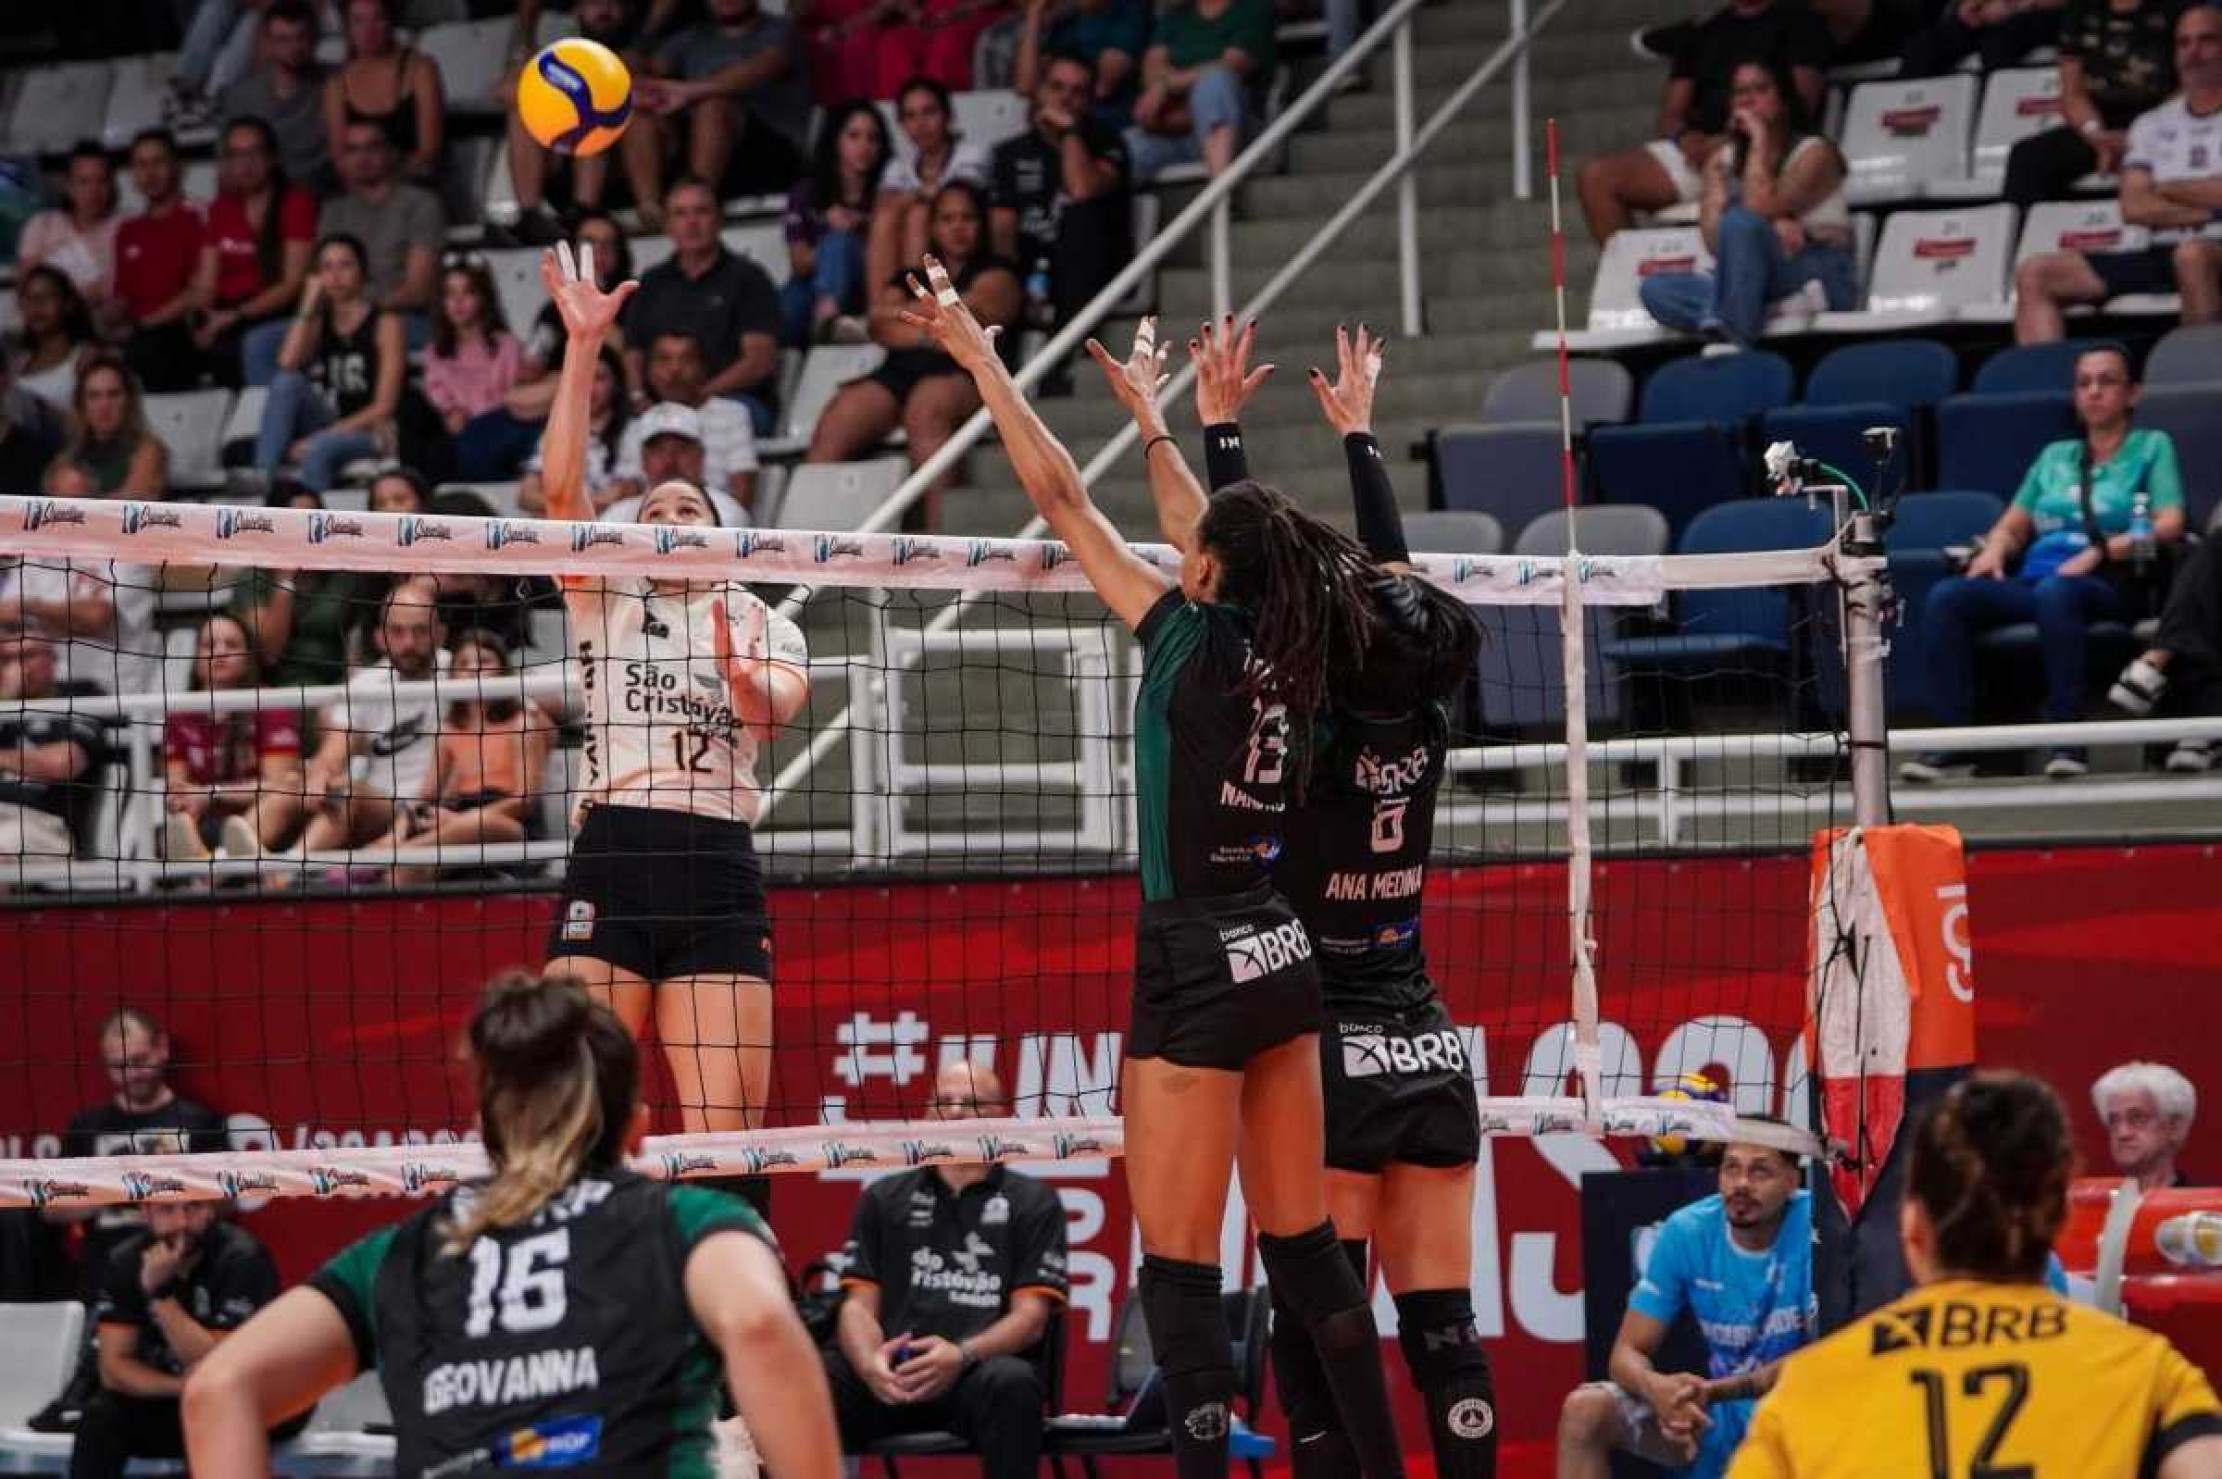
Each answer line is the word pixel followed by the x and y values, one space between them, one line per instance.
pixel 1222 968
pixel 564 1343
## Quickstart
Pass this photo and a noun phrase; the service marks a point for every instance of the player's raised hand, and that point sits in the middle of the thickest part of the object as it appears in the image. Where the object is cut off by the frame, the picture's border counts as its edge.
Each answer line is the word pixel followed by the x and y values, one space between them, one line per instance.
pixel 1224 380
pixel 940 310
pixel 587 311
pixel 1348 399
pixel 754 646
pixel 1136 380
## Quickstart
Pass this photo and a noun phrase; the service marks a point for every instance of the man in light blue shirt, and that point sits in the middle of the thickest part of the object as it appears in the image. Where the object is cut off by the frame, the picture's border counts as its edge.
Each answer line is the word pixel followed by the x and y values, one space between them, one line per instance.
pixel 1741 1263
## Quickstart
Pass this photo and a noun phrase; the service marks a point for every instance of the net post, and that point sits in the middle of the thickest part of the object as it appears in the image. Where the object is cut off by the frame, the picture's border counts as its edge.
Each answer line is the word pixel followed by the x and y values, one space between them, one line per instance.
pixel 1866 596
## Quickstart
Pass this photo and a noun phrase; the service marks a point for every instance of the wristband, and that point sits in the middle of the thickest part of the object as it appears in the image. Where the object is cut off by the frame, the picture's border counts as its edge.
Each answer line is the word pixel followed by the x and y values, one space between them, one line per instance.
pixel 1163 436
pixel 1224 460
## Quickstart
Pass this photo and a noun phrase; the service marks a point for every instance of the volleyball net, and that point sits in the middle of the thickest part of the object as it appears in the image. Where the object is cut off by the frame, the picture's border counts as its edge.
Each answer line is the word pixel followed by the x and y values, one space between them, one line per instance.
pixel 948 834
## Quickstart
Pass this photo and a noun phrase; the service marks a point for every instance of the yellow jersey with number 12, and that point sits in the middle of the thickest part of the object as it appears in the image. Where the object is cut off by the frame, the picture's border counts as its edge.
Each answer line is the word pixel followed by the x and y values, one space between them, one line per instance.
pixel 1964 1380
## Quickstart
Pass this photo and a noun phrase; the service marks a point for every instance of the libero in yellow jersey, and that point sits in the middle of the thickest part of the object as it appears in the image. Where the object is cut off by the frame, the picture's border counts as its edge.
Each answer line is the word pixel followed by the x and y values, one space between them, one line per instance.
pixel 1982 1372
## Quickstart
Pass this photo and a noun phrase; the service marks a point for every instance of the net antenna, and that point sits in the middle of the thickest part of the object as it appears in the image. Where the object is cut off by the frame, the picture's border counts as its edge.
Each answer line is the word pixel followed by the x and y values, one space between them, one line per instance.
pixel 1581 945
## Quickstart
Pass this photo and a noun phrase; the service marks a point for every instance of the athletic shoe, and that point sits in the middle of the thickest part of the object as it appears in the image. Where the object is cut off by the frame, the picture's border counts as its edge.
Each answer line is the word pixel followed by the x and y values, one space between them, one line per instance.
pixel 181 840
pixel 237 839
pixel 1927 769
pixel 2138 689
pixel 2191 757
pixel 2066 764
pixel 848 328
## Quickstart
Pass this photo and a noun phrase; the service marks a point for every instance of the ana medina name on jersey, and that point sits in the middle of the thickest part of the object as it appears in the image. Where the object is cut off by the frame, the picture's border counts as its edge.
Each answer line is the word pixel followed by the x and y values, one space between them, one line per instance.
pixel 1358 885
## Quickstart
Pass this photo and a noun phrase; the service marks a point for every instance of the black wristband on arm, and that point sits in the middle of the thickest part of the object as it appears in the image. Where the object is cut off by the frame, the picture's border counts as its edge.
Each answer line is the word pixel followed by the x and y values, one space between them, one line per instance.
pixel 1224 460
pixel 1380 526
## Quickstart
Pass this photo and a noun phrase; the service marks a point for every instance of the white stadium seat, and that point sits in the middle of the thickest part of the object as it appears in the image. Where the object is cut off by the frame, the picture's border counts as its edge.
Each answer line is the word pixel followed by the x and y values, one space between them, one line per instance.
pixel 649 251
pixel 824 370
pixel 246 415
pixel 35 1361
pixel 135 96
pixel 762 242
pixel 1617 317
pixel 516 273
pixel 472 56
pixel 1900 136
pixel 2017 102
pixel 839 495
pixel 1933 267
pixel 191 425
pixel 2064 225
pixel 990 116
pixel 60 105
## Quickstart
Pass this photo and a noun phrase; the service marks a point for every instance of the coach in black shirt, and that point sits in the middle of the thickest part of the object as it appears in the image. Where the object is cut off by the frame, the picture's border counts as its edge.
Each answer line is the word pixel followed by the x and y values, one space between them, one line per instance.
pixel 172 1292
pixel 1061 193
pixel 953 1272
pixel 721 300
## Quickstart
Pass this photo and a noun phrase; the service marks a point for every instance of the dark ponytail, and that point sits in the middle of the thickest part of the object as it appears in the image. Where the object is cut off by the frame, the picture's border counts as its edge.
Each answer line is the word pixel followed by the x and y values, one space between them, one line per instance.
pixel 1304 583
pixel 1991 1165
pixel 558 1077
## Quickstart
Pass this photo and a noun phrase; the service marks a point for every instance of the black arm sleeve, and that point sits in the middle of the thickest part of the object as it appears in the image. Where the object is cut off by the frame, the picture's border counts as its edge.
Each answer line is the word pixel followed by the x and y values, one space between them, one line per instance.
pixel 1224 460
pixel 1380 527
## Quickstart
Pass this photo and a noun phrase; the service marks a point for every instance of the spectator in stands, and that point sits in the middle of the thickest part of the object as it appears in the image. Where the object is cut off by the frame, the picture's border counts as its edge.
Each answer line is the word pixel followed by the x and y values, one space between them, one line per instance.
pixel 829 217
pixel 2147 1109
pixel 286 92
pixel 79 239
pixel 2171 183
pixel 169 1295
pixel 255 251
pixel 55 336
pixel 1740 1262
pixel 685 409
pixel 2061 556
pixel 1774 215
pixel 2185 657
pixel 301 620
pixel 402 226
pixel 1208 63
pixel 1062 205
pixel 616 24
pixel 930 38
pixel 598 236
pixel 111 451
pixel 606 426
pixel 470 366
pixel 157 252
pixel 48 759
pixel 932 154
pixel 721 299
pixel 732 98
pixel 30 433
pixel 339 374
pixel 1693 114
pixel 1999 32
pixel 393 87
pixel 218 50
pixel 233 779
pixel 100 611
pixel 953 1273
pixel 1110 35
pixel 918 387
pixel 483 785
pixel 2115 63
pixel 392 736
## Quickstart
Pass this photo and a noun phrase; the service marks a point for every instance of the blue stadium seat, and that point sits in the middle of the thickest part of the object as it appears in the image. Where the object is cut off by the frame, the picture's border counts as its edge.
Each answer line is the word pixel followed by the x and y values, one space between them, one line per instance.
pixel 1884 383
pixel 1988 441
pixel 1739 624
pixel 1925 524
pixel 2033 367
pixel 2192 417
pixel 1512 473
pixel 1687 453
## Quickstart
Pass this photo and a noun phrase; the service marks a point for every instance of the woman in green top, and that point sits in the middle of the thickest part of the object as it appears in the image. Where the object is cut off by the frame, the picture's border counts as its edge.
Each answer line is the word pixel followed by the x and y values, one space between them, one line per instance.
pixel 110 452
pixel 1205 58
pixel 563 1313
pixel 2062 556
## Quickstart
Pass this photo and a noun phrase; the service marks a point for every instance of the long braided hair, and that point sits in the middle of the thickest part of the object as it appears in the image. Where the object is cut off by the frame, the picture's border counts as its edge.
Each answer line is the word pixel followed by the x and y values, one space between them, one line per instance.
pixel 1991 1165
pixel 1304 584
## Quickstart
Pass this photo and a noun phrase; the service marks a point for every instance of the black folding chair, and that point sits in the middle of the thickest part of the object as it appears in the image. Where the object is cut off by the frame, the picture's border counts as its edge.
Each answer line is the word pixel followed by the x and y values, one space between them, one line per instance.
pixel 1049 1355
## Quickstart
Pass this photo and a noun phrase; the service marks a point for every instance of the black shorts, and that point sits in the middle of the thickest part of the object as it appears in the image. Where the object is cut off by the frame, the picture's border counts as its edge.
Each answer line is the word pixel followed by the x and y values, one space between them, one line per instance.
pixel 1398 1088
pixel 903 371
pixel 664 894
pixel 1218 981
pixel 2147 270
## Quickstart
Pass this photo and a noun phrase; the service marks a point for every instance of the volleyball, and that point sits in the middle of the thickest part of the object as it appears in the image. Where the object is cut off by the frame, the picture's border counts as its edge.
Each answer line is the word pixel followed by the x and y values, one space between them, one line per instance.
pixel 1690 1086
pixel 575 96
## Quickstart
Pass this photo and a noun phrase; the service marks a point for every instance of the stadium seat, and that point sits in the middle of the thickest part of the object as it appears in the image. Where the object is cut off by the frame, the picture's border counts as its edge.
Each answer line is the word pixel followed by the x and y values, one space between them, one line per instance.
pixel 135 96
pixel 1688 450
pixel 59 105
pixel 473 57
pixel 1511 473
pixel 1924 526
pixel 2192 417
pixel 1930 268
pixel 2057 226
pixel 824 370
pixel 516 274
pixel 191 425
pixel 350 1433
pixel 649 251
pixel 1617 317
pixel 1878 383
pixel 2017 102
pixel 1988 441
pixel 1726 390
pixel 1453 532
pixel 1599 529
pixel 1741 624
pixel 246 415
pixel 2188 355
pixel 1600 390
pixel 35 1360
pixel 837 495
pixel 990 116
pixel 2032 367
pixel 1900 136
pixel 762 242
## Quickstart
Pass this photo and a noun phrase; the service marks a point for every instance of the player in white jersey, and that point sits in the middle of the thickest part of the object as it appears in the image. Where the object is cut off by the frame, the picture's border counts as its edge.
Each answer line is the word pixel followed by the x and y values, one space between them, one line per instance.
pixel 686 680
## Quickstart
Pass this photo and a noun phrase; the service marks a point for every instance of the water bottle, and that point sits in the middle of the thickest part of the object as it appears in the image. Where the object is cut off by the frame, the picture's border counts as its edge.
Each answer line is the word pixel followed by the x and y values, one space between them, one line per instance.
pixel 1038 305
pixel 2141 530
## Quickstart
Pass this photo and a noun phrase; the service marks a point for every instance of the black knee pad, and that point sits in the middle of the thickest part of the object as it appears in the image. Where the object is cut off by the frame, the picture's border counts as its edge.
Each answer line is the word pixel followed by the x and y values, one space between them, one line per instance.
pixel 1189 1337
pixel 1444 1352
pixel 1311 1274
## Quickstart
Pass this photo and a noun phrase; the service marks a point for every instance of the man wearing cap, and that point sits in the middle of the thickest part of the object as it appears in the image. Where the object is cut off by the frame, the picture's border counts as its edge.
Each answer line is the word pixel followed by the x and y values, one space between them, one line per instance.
pixel 704 439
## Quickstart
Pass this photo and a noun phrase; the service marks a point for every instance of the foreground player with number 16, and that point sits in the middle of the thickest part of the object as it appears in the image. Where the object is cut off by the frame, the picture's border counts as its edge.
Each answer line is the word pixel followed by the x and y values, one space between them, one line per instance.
pixel 1222 1065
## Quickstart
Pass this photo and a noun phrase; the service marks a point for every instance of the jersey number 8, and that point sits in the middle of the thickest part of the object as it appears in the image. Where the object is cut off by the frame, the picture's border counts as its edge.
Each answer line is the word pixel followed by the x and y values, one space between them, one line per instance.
pixel 527 1283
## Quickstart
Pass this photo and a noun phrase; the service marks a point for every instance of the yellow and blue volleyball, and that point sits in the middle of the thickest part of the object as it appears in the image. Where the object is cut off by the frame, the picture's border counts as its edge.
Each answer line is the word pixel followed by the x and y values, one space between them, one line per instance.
pixel 575 96
pixel 1696 1087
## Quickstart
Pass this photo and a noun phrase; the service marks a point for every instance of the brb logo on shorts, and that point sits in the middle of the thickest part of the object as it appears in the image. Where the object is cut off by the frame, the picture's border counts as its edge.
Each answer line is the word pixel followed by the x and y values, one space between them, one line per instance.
pixel 1253 953
pixel 1369 1051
